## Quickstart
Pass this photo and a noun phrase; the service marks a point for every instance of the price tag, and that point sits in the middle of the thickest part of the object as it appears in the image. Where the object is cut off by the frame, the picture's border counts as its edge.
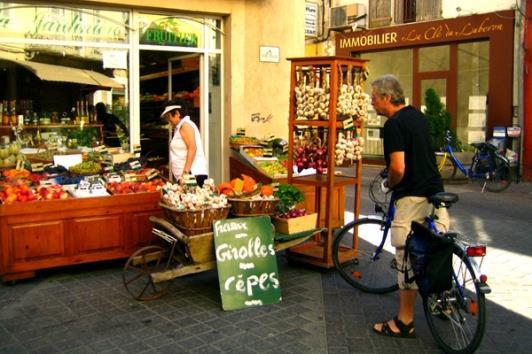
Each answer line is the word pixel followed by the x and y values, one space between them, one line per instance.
pixel 137 149
pixel 241 131
pixel 348 123
pixel 101 149
pixel 267 152
pixel 109 168
pixel 135 165
pixel 37 167
pixel 152 174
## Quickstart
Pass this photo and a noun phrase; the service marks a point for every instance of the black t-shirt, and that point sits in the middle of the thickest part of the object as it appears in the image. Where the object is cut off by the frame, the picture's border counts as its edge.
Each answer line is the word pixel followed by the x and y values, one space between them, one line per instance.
pixel 408 130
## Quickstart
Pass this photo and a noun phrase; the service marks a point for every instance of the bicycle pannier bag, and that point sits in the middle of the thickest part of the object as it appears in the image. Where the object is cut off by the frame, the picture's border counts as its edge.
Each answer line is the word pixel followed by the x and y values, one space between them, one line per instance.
pixel 430 256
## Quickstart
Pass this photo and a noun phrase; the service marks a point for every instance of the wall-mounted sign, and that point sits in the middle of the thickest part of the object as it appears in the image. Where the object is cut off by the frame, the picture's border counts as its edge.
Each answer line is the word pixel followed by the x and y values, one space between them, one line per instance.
pixel 246 263
pixel 461 28
pixel 169 30
pixel 47 23
pixel 269 54
pixel 311 19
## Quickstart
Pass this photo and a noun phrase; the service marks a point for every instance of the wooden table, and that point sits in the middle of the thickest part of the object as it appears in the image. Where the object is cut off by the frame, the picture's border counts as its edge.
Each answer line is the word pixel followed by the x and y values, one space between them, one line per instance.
pixel 46 234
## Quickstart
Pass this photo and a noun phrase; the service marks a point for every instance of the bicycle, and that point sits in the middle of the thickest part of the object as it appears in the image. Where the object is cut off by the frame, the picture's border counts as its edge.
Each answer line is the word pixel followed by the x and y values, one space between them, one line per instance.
pixel 487 165
pixel 364 257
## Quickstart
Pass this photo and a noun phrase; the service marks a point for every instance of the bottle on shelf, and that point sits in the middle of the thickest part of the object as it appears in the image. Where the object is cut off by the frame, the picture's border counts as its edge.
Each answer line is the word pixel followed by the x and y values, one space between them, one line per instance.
pixel 73 114
pixel 14 119
pixel 6 119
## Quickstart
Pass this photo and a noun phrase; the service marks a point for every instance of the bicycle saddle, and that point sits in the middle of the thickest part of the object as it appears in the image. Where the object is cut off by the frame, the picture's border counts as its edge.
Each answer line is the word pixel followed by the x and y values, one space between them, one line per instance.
pixel 443 199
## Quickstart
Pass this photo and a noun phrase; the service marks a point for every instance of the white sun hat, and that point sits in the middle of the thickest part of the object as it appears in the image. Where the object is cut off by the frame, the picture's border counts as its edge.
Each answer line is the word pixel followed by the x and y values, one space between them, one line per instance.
pixel 169 108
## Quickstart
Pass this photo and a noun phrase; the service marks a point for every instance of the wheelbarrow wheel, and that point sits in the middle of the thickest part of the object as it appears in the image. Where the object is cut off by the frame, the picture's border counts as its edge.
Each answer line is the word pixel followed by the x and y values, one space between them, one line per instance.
pixel 138 270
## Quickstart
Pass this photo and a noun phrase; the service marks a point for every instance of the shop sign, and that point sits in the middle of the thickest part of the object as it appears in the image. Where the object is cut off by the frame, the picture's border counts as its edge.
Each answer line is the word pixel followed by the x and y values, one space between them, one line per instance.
pixel 472 27
pixel 246 262
pixel 53 23
pixel 170 31
pixel 311 19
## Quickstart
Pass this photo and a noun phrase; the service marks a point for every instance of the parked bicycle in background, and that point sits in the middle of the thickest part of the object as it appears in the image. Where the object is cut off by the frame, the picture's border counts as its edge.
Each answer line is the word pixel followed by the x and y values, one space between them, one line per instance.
pixel 487 166
pixel 364 257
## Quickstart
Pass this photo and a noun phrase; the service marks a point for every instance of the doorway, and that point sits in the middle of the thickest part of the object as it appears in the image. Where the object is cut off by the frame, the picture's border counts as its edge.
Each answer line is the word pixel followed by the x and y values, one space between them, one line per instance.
pixel 166 76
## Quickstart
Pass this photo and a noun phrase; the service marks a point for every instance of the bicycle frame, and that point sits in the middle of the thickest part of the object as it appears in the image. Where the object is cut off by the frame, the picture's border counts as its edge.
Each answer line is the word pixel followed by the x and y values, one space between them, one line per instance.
pixel 468 172
pixel 449 150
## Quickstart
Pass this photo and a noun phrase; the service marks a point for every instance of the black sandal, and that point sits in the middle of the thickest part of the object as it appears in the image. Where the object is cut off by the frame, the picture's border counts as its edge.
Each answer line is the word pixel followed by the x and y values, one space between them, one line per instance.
pixel 405 330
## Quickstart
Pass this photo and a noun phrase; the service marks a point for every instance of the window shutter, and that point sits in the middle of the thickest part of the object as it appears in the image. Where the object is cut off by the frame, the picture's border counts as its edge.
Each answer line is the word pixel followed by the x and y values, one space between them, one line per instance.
pixel 380 13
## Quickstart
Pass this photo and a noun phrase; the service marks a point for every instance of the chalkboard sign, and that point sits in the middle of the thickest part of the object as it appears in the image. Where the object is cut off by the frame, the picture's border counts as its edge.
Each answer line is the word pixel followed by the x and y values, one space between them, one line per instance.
pixel 245 258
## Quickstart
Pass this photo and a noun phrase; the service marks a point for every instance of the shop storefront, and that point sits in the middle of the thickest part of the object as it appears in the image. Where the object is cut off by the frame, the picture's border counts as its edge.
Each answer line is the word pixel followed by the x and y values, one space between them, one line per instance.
pixel 467 60
pixel 59 60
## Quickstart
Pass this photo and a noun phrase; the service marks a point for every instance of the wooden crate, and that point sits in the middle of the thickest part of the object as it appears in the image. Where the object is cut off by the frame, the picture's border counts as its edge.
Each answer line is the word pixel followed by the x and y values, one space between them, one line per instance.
pixel 295 225
pixel 201 247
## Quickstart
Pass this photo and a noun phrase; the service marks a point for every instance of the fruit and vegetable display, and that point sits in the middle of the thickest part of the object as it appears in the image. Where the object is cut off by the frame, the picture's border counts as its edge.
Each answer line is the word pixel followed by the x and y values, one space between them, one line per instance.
pixel 253 151
pixel 348 148
pixel 86 168
pixel 135 187
pixel 21 192
pixel 13 174
pixel 310 153
pixel 10 154
pixel 183 198
pixel 239 140
pixel 51 192
pixel 289 196
pixel 273 168
pixel 246 188
pixel 10 194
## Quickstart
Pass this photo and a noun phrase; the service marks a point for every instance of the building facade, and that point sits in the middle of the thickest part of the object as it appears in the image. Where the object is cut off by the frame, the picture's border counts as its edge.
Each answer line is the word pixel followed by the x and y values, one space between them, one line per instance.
pixel 471 53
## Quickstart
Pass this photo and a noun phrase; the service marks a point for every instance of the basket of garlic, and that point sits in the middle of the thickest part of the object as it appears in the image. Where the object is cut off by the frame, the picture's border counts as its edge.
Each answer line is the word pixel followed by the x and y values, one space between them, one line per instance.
pixel 193 210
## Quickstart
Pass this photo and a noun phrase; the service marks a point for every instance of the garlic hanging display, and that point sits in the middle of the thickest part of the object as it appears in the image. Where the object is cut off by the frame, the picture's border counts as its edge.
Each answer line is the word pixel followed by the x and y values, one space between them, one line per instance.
pixel 352 101
pixel 312 95
pixel 348 148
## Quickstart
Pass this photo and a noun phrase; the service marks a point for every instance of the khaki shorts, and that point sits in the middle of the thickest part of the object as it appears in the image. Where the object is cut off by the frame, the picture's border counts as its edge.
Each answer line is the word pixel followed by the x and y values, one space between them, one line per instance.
pixel 408 209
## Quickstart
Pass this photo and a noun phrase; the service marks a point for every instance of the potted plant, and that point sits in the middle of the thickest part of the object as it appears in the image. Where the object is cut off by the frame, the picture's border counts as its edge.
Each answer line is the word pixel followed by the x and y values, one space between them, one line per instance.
pixel 289 219
pixel 439 121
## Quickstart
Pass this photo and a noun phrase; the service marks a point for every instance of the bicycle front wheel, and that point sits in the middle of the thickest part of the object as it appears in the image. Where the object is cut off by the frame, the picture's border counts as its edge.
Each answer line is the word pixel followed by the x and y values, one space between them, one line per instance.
pixel 457 317
pixel 361 261
pixel 500 178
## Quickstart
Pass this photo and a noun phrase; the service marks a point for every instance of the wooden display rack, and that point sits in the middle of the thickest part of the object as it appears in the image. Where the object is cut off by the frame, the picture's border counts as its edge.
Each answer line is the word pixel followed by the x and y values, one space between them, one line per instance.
pixel 318 251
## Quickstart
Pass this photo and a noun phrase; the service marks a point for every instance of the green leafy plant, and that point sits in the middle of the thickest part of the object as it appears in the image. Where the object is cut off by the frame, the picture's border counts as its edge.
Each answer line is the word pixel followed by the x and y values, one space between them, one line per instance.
pixel 289 196
pixel 84 137
pixel 439 121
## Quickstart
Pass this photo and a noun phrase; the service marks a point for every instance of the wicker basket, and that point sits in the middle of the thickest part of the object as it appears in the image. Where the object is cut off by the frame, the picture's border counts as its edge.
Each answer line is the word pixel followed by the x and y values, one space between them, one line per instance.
pixel 252 207
pixel 194 222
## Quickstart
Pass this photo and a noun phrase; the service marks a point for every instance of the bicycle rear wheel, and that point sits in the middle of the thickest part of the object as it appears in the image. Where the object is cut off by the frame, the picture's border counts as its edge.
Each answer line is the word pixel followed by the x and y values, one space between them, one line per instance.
pixel 500 178
pixel 355 259
pixel 446 166
pixel 457 317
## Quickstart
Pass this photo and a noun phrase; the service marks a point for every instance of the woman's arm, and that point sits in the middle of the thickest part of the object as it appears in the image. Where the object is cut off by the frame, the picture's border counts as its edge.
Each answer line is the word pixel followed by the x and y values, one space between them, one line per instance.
pixel 187 133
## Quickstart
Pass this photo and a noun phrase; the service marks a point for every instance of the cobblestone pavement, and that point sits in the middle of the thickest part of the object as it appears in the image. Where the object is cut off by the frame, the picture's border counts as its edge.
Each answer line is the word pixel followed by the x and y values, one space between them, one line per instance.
pixel 85 309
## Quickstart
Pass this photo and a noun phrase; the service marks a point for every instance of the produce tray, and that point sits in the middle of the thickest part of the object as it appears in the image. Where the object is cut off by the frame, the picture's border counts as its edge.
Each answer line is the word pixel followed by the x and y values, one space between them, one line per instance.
pixel 295 225
pixel 194 222
pixel 252 207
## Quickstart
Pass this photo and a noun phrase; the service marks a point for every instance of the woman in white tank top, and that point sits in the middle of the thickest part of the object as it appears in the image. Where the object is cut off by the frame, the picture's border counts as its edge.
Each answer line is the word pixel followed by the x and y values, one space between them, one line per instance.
pixel 186 151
